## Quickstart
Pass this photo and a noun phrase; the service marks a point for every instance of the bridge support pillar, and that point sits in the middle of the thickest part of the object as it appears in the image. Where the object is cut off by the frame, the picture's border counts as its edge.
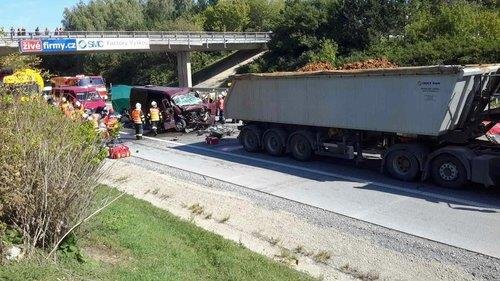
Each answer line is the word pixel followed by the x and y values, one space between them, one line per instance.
pixel 184 69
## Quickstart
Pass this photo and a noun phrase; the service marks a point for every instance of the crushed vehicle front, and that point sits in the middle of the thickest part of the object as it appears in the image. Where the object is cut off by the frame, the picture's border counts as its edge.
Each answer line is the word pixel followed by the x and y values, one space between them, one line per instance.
pixel 192 108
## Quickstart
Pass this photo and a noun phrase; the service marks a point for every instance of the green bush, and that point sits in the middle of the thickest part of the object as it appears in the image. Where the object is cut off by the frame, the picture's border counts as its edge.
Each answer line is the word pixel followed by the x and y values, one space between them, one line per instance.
pixel 457 33
pixel 49 166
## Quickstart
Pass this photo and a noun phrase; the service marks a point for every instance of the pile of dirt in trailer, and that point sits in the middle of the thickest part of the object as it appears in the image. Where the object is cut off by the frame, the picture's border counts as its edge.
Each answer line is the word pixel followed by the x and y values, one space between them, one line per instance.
pixel 316 66
pixel 369 64
pixel 366 64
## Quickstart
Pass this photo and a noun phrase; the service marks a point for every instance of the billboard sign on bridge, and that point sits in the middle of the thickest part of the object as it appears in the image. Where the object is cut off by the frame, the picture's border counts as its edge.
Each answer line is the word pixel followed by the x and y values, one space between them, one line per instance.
pixel 109 44
pixel 59 45
pixel 67 45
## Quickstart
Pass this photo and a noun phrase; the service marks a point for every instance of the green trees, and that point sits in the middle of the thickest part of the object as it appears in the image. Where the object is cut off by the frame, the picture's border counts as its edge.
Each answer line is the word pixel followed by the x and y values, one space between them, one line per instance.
pixel 408 32
pixel 241 15
pixel 456 33
pixel 415 32
pixel 105 15
pixel 227 15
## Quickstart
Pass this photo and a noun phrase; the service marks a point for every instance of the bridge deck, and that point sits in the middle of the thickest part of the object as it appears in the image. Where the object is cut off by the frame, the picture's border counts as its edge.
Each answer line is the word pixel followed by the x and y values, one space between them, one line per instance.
pixel 159 40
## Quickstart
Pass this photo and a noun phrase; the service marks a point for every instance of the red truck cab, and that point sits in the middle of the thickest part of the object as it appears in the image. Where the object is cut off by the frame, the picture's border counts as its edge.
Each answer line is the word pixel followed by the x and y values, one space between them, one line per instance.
pixel 87 96
pixel 96 82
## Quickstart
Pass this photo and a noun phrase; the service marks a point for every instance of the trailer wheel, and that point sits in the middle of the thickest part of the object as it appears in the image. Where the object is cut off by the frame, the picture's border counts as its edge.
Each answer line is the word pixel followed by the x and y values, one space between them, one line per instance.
pixel 301 148
pixel 448 171
pixel 274 143
pixel 402 165
pixel 250 140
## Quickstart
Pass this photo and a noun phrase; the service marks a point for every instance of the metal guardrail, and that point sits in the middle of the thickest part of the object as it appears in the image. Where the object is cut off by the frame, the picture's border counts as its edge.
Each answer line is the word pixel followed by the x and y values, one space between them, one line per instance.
pixel 171 36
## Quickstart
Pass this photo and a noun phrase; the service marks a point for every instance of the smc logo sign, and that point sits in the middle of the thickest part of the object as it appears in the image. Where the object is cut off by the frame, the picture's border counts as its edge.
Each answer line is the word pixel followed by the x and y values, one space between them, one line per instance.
pixel 30 46
pixel 86 44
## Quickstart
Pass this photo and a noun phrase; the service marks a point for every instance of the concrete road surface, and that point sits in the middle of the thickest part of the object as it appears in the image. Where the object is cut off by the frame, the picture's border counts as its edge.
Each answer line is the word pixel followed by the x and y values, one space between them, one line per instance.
pixel 467 219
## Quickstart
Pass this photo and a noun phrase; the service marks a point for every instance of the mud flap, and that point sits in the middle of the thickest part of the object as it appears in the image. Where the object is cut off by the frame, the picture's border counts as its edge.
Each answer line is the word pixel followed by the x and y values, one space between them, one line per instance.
pixel 486 170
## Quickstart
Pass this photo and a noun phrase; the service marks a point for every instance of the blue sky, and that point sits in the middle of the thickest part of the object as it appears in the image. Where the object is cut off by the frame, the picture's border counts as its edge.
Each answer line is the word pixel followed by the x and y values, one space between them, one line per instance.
pixel 32 13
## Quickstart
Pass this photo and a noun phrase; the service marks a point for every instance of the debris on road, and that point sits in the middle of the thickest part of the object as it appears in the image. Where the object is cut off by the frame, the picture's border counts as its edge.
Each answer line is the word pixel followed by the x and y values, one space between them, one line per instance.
pixel 119 151
pixel 218 131
pixel 212 140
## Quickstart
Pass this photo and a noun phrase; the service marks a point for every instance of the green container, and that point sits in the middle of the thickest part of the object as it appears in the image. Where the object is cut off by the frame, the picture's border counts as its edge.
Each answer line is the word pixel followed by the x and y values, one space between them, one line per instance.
pixel 120 98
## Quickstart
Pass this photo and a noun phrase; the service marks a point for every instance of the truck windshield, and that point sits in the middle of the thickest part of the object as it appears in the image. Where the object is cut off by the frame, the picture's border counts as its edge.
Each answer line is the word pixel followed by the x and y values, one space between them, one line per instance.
pixel 84 81
pixel 187 99
pixel 88 96
pixel 97 81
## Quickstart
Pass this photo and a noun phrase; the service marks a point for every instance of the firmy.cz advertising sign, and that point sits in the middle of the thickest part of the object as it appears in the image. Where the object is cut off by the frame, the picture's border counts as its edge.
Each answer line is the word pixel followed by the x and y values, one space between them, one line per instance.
pixel 63 45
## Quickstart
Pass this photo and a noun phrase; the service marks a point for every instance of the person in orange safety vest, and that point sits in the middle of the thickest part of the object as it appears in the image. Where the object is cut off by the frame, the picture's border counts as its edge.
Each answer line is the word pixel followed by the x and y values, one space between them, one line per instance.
pixel 78 112
pixel 66 107
pixel 137 119
pixel 154 117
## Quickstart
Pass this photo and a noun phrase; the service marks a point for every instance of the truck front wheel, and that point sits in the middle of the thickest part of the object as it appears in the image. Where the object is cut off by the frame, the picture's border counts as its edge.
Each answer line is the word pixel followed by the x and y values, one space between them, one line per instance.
pixel 301 148
pixel 448 171
pixel 402 165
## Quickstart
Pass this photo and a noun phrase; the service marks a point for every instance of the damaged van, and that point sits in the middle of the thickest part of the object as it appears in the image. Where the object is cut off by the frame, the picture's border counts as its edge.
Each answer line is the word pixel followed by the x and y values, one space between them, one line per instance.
pixel 181 108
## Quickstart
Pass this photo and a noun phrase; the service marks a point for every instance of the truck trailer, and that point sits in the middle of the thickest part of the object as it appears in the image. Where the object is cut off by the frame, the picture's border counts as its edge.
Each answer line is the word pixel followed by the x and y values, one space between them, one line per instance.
pixel 424 121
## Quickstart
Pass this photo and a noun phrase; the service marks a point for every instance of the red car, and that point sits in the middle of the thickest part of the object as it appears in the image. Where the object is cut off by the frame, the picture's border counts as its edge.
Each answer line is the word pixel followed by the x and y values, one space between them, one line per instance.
pixel 87 96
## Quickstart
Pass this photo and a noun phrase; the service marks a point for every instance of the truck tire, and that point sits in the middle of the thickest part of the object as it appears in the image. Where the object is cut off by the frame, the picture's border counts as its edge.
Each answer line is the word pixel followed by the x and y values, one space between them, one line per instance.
pixel 448 171
pixel 250 139
pixel 402 165
pixel 301 148
pixel 274 142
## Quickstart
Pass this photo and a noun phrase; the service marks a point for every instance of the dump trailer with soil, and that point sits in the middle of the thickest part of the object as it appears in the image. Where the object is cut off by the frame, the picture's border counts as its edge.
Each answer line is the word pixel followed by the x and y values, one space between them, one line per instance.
pixel 424 121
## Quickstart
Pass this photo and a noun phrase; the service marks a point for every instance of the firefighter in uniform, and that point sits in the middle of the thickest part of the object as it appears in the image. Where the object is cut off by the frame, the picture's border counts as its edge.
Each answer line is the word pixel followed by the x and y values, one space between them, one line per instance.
pixel 154 117
pixel 137 118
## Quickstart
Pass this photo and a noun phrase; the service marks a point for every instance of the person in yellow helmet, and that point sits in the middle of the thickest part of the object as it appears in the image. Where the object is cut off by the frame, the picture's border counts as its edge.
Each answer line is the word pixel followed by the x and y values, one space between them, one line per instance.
pixel 154 117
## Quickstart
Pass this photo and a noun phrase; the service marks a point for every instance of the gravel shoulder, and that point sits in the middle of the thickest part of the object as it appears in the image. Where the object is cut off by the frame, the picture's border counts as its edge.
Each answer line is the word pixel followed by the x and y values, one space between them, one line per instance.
pixel 321 243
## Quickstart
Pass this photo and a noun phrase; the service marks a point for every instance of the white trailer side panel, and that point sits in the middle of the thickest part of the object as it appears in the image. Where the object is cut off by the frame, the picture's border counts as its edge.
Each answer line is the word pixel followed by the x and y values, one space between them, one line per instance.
pixel 425 102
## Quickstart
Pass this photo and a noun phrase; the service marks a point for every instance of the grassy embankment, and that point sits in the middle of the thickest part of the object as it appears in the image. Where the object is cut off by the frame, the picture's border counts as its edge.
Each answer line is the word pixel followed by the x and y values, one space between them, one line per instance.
pixel 133 240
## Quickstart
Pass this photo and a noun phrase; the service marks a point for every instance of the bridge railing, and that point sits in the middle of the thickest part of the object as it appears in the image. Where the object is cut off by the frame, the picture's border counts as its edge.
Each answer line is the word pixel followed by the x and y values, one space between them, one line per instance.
pixel 171 36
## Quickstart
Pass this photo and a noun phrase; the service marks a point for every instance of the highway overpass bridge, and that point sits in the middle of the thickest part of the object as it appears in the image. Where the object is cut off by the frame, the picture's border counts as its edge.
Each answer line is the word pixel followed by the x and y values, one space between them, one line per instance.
pixel 180 42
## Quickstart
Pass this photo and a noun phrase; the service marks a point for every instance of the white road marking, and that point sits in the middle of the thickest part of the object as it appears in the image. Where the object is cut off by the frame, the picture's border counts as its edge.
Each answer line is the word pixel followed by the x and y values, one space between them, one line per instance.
pixel 335 175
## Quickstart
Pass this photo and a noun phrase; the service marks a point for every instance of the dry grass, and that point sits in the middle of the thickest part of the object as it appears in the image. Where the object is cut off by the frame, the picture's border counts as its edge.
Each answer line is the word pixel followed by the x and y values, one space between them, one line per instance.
pixel 287 257
pixel 356 273
pixel 196 209
pixel 301 250
pixel 271 240
pixel 322 257
pixel 164 196
pixel 223 219
pixel 122 179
